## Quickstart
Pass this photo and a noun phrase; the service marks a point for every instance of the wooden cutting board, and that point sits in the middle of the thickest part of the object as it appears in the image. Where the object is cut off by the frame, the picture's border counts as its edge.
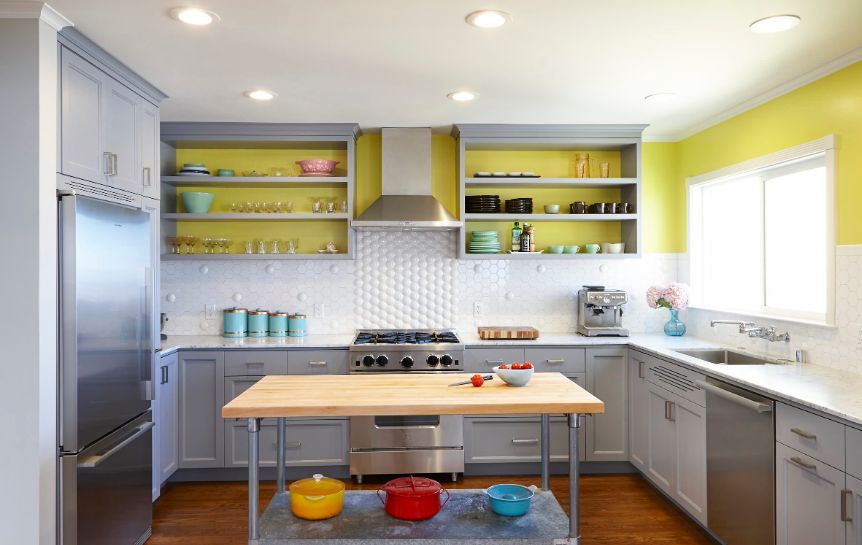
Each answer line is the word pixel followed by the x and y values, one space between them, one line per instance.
pixel 510 332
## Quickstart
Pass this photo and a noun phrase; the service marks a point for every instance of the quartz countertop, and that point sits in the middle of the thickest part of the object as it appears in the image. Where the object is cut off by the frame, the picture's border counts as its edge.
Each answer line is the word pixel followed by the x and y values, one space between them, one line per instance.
pixel 824 389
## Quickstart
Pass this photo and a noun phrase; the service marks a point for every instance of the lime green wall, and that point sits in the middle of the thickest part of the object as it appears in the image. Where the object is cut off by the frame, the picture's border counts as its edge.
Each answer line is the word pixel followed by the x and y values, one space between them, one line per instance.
pixel 831 105
pixel 662 202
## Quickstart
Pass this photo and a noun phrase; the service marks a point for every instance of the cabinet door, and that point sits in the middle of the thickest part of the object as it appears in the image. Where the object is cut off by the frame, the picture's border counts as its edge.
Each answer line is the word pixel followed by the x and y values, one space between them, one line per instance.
pixel 82 90
pixel 121 137
pixel 638 411
pixel 168 396
pixel 148 135
pixel 201 429
pixel 690 477
pixel 808 500
pixel 852 506
pixel 661 460
pixel 607 433
pixel 482 360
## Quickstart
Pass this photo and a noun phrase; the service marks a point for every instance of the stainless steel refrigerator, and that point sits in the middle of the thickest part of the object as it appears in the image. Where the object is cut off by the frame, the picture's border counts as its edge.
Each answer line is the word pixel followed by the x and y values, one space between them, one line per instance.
pixel 105 367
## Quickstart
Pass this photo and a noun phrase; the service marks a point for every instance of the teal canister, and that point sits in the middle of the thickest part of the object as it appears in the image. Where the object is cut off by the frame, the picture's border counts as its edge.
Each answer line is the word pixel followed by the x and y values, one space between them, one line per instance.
pixel 235 323
pixel 297 325
pixel 278 324
pixel 258 323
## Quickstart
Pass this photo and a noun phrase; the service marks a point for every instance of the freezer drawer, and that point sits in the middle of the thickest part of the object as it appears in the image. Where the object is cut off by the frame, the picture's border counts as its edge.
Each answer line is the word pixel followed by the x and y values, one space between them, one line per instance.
pixel 106 489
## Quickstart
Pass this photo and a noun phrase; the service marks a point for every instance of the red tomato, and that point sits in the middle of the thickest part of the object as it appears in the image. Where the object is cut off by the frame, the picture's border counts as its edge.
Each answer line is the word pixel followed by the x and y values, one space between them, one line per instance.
pixel 516 366
pixel 477 380
pixel 527 365
pixel 504 366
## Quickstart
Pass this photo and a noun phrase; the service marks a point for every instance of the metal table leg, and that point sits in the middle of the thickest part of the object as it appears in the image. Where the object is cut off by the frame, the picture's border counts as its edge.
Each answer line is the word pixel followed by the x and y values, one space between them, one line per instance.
pixel 279 482
pixel 574 463
pixel 253 478
pixel 546 452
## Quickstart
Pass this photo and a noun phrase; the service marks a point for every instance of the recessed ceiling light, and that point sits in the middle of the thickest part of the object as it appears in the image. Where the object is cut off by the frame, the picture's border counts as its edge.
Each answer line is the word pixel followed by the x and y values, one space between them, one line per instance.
pixel 260 94
pixel 660 97
pixel 488 18
pixel 774 23
pixel 463 96
pixel 194 16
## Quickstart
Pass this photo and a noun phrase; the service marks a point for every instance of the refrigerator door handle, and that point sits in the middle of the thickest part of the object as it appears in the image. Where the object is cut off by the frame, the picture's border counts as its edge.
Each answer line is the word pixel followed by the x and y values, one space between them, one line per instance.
pixel 95 461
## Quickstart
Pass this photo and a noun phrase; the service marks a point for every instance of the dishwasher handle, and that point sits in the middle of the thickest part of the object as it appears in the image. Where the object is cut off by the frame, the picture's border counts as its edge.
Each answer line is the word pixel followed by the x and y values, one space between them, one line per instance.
pixel 735 398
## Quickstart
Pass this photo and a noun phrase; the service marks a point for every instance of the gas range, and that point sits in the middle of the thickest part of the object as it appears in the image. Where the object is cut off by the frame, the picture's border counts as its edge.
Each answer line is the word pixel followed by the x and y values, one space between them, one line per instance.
pixel 406 350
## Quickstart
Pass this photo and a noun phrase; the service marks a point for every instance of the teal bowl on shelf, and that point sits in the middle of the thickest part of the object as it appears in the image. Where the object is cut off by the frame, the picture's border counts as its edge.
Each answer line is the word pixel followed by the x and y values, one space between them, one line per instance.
pixel 555 249
pixel 225 172
pixel 198 202
pixel 573 249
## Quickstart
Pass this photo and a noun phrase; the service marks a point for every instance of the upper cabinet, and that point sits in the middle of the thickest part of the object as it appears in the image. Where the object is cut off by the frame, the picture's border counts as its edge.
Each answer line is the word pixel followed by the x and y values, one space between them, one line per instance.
pixel 109 120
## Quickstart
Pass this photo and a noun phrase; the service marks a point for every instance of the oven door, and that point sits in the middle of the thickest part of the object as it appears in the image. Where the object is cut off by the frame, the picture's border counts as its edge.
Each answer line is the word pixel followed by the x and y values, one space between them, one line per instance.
pixel 406 432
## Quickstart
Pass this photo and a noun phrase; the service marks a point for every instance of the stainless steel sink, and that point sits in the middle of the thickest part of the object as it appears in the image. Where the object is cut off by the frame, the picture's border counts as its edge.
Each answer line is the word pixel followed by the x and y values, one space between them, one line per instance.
pixel 727 357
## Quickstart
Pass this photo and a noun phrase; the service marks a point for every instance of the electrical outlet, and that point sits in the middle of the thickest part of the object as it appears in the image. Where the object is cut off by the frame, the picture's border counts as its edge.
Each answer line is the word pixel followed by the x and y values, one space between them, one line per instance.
pixel 210 311
pixel 477 309
pixel 318 310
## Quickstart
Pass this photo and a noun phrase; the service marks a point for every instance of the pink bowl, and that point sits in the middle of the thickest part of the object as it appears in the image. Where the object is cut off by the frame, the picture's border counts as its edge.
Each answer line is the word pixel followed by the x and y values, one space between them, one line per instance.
pixel 317 166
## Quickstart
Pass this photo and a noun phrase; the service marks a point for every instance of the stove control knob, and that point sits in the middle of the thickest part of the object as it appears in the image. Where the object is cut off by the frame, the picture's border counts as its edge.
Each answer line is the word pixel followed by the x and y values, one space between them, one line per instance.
pixel 382 360
pixel 446 360
pixel 433 360
pixel 368 361
pixel 406 361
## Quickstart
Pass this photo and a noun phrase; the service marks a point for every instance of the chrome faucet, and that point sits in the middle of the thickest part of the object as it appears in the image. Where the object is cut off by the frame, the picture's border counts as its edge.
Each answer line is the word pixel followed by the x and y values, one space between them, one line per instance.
pixel 754 331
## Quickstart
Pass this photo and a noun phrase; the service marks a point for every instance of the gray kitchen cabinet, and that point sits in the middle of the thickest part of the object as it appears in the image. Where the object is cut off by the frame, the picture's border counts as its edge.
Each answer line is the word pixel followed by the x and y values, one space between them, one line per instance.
pixel 852 505
pixel 607 379
pixel 561 359
pixel 638 410
pixel 83 88
pixel 121 137
pixel 808 500
pixel 482 360
pixel 513 439
pixel 148 164
pixel 201 398
pixel 167 394
pixel 854 452
pixel 254 362
pixel 317 362
pixel 661 458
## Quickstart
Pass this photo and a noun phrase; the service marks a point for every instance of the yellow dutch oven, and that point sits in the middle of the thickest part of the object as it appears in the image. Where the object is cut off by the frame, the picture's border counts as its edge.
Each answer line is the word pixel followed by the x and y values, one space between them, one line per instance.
pixel 316 498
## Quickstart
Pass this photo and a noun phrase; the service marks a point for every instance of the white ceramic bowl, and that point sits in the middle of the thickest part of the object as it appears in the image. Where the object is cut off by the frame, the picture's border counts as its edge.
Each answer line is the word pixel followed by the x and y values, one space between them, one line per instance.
pixel 514 377
pixel 613 247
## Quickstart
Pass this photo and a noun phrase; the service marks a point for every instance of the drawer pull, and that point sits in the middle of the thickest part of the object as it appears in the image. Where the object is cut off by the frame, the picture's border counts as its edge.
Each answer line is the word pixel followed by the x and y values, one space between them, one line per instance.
pixel 293 444
pixel 803 433
pixel 556 361
pixel 525 441
pixel 846 506
pixel 254 364
pixel 317 363
pixel 802 463
pixel 494 362
pixel 668 410
pixel 641 366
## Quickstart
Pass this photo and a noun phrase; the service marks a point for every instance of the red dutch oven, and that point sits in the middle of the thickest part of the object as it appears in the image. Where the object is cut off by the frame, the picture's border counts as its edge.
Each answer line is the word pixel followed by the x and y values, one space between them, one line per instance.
pixel 413 498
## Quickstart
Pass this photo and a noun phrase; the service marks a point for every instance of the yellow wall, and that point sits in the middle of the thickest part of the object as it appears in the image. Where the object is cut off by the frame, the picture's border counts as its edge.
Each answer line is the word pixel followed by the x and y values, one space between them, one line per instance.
pixel 663 205
pixel 831 105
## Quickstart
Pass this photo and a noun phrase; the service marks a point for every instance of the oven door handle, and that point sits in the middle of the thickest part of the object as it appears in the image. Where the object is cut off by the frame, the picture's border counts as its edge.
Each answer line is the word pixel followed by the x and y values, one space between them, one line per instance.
pixel 421 427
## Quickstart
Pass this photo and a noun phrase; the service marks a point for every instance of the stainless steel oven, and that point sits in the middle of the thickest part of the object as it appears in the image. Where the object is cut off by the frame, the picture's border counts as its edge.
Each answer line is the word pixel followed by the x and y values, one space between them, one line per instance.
pixel 397 444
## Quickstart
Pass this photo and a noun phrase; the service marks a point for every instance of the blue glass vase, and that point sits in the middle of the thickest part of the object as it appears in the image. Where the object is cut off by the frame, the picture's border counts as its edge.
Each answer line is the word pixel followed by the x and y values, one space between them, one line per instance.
pixel 674 327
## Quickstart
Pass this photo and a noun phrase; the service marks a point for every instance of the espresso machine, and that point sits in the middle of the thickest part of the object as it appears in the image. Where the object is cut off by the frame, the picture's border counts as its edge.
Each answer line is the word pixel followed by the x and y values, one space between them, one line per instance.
pixel 600 312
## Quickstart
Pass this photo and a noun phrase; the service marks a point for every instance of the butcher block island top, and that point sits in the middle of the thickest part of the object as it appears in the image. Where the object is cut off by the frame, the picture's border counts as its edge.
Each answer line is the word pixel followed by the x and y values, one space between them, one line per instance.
pixel 381 394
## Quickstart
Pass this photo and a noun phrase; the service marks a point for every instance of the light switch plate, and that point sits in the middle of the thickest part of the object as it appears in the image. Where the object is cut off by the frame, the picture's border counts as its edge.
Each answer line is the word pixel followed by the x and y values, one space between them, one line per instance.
pixel 210 311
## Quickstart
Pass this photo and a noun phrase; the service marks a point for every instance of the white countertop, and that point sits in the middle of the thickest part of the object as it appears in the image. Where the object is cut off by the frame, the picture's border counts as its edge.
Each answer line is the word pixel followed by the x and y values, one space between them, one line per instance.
pixel 831 391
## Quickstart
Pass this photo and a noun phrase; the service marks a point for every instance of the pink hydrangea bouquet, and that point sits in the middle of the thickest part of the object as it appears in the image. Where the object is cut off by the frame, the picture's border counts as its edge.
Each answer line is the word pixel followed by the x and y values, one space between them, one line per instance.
pixel 674 296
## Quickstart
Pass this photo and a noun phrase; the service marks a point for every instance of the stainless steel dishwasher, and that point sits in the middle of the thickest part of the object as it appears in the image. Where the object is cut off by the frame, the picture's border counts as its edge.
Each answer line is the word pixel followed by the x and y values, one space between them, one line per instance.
pixel 740 464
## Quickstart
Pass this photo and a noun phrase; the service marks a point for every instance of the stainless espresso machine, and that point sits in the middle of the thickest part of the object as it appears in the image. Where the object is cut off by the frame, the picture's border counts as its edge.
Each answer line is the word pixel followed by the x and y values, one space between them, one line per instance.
pixel 600 312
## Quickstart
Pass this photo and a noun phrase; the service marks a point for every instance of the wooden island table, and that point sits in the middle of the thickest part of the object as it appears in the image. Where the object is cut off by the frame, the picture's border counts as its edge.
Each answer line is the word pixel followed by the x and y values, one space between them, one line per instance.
pixel 382 394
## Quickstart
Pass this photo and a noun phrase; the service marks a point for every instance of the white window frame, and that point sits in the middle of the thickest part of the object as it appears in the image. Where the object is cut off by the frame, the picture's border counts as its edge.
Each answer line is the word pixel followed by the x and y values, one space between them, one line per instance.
pixel 825 146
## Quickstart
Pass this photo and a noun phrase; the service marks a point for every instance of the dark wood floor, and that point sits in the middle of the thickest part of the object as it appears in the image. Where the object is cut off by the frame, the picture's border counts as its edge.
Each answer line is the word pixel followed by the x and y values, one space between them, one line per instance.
pixel 615 510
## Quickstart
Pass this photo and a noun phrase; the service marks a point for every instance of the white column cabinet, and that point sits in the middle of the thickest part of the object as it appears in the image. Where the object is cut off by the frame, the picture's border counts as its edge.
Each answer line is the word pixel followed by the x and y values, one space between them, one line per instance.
pixel 607 379
pixel 638 411
pixel 82 94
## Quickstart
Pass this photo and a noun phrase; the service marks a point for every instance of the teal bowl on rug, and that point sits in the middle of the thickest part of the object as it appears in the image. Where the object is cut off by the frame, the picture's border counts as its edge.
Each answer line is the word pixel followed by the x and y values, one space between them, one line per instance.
pixel 198 202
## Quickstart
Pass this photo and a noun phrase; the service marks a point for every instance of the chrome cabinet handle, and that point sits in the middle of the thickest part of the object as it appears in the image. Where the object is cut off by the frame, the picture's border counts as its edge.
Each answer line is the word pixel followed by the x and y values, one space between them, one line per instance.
pixel 494 362
pixel 288 444
pixel 95 461
pixel 641 367
pixel 112 164
pixel 556 361
pixel 148 181
pixel 254 364
pixel 802 463
pixel 668 410
pixel 525 441
pixel 164 370
pixel 317 363
pixel 106 170
pixel 803 433
pixel 846 506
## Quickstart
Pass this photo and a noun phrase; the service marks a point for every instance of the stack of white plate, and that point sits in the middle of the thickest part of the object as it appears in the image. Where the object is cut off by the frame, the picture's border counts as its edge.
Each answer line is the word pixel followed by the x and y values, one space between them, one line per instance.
pixel 483 242
pixel 194 169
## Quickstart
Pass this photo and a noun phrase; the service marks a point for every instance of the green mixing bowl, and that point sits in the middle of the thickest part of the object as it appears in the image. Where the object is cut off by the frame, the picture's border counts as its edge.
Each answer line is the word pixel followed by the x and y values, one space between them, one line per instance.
pixel 198 202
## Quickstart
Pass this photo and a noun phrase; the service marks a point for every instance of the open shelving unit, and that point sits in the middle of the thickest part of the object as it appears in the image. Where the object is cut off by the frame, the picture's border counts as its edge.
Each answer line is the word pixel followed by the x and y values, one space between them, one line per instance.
pixel 259 147
pixel 550 151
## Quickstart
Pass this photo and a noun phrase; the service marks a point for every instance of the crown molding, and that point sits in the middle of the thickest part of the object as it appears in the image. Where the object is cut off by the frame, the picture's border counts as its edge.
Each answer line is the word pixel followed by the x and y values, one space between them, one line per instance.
pixel 34 10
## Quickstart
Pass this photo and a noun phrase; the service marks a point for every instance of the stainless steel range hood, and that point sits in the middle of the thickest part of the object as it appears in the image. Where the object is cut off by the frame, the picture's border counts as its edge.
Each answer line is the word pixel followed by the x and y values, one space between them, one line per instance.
pixel 406 203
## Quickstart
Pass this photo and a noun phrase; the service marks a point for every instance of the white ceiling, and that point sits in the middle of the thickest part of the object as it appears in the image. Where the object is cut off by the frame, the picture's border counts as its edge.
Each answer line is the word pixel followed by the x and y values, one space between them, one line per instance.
pixel 392 62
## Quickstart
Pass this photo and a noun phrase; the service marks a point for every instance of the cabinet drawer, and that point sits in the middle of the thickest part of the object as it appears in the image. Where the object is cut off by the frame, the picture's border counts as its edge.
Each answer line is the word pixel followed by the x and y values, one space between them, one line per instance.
pixel 317 362
pixel 854 452
pixel 563 360
pixel 255 362
pixel 321 442
pixel 676 379
pixel 483 359
pixel 508 440
pixel 810 434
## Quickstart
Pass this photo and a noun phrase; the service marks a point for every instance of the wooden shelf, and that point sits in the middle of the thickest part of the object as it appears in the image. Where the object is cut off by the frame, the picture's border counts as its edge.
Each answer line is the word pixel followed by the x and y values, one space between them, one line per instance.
pixel 262 181
pixel 549 182
pixel 338 216
pixel 550 217
pixel 252 257
pixel 546 256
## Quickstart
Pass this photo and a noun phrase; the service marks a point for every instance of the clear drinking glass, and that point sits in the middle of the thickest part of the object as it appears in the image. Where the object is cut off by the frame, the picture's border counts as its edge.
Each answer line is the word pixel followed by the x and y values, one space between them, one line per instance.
pixel 226 242
pixel 249 207
pixel 288 207
pixel 261 246
pixel 275 246
pixel 316 205
pixel 344 207
pixel 249 247
pixel 330 207
pixel 605 169
pixel 277 206
pixel 582 165
pixel 292 245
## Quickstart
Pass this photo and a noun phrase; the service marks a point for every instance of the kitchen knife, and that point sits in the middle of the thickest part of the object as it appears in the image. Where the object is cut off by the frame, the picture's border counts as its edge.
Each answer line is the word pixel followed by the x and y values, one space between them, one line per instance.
pixel 486 377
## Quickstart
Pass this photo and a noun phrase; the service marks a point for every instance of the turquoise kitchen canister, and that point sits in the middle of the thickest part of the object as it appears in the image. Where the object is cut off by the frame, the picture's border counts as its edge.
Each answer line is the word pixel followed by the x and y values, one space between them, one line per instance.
pixel 278 324
pixel 298 327
pixel 235 323
pixel 258 323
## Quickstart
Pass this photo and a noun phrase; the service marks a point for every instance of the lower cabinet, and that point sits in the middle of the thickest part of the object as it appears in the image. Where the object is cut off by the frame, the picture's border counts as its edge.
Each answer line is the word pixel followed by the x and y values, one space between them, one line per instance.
pixel 638 411
pixel 496 440
pixel 853 510
pixel 607 379
pixel 201 398
pixel 166 460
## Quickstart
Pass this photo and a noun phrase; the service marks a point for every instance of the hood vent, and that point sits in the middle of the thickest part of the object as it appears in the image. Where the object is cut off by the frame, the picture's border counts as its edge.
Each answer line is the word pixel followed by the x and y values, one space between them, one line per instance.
pixel 406 203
